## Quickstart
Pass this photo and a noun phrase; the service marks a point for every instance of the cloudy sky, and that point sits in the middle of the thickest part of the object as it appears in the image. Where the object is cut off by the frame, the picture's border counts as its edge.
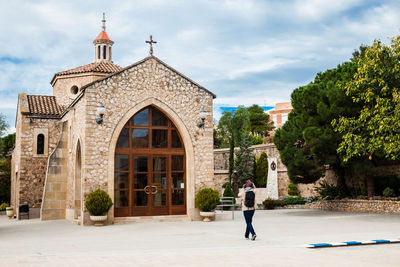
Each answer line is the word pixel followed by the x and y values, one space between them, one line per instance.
pixel 246 52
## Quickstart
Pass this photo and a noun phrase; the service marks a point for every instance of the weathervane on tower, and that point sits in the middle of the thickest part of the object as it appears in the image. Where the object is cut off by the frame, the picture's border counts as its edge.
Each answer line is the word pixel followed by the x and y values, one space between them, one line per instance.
pixel 151 42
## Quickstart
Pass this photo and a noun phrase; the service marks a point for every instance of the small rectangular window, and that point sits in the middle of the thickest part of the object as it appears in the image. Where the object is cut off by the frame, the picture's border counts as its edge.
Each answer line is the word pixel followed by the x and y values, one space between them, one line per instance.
pixel 40 144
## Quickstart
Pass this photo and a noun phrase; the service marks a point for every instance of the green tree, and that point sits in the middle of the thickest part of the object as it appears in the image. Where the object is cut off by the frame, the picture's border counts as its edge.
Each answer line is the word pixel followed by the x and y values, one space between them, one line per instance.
pixel 228 192
pixel 3 125
pixel 260 123
pixel 217 139
pixel 240 123
pixel 244 159
pixel 6 144
pixel 5 179
pixel 225 130
pixel 292 190
pixel 307 142
pixel 261 173
pixel 374 131
pixel 230 128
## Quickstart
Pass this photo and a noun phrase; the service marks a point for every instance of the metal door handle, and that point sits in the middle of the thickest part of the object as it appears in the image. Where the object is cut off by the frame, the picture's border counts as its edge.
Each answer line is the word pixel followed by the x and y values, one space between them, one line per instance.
pixel 154 192
pixel 146 190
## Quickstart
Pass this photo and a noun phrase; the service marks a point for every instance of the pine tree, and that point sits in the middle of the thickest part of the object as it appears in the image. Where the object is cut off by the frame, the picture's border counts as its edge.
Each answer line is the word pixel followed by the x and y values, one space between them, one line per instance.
pixel 261 170
pixel 244 159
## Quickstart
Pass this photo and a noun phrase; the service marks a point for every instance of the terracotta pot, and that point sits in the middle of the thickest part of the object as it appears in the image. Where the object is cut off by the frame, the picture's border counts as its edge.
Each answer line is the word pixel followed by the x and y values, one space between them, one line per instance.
pixel 207 215
pixel 98 220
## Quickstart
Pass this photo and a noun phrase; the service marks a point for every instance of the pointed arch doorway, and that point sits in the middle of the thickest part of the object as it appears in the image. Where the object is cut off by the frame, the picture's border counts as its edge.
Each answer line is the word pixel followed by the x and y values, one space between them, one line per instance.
pixel 149 167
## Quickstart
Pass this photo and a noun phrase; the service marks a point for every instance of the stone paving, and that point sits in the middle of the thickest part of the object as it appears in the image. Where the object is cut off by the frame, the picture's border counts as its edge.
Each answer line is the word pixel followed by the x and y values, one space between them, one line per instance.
pixel 280 237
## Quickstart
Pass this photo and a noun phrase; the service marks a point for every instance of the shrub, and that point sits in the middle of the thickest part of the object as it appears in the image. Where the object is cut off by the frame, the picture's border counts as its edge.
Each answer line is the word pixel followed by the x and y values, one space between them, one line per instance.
pixel 327 191
pixel 382 182
pixel 269 204
pixel 98 203
pixel 293 201
pixel 292 191
pixel 279 203
pixel 3 206
pixel 256 140
pixel 207 199
pixel 228 192
pixel 388 192
pixel 261 173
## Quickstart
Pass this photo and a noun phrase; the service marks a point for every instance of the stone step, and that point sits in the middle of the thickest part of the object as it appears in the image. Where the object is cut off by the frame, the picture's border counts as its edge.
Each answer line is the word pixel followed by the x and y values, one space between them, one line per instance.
pixel 164 218
pixel 77 221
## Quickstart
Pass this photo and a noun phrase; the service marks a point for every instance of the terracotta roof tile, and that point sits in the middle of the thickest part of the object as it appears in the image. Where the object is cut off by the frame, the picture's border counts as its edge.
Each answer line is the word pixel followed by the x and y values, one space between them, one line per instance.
pixel 102 36
pixel 44 105
pixel 103 67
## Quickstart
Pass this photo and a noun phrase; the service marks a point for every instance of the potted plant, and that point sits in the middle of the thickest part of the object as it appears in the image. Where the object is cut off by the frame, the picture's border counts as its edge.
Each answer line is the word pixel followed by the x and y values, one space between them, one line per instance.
pixel 207 200
pixel 10 212
pixel 3 207
pixel 98 203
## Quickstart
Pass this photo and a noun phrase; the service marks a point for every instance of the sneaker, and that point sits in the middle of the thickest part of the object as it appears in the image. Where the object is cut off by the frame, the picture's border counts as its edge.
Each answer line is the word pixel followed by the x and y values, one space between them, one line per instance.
pixel 254 237
pixel 246 237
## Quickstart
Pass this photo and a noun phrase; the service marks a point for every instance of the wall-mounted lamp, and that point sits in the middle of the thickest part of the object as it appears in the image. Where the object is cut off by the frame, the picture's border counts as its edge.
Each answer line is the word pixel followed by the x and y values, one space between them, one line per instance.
pixel 203 114
pixel 100 113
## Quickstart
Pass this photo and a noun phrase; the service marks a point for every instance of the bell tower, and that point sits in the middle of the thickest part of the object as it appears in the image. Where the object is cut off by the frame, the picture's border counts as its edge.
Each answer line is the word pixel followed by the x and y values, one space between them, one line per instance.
pixel 103 44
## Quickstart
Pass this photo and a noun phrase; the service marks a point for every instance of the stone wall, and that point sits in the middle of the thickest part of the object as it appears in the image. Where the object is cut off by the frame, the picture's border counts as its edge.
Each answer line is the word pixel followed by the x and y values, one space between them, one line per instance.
pixel 357 205
pixel 221 156
pixel 76 119
pixel 221 159
pixel 29 169
pixel 149 82
pixel 63 84
pixel 55 187
pixel 221 165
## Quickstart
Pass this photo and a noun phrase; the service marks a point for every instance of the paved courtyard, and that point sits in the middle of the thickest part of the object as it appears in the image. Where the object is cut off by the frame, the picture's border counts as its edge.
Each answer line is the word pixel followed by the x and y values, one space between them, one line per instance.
pixel 280 237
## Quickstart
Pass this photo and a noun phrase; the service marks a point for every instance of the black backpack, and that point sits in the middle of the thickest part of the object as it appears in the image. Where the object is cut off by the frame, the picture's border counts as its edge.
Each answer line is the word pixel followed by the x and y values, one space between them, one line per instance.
pixel 249 199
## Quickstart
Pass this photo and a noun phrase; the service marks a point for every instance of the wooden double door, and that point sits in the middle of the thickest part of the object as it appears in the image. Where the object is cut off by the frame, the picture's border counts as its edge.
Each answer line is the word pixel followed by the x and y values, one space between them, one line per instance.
pixel 149 176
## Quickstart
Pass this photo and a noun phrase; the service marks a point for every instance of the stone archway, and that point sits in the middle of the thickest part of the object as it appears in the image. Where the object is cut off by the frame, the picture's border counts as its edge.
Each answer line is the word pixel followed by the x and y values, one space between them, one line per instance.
pixel 77 182
pixel 186 141
pixel 149 170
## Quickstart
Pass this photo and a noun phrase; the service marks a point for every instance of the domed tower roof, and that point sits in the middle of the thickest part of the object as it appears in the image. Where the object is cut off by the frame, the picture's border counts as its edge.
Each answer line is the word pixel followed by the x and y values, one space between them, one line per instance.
pixel 102 36
pixel 103 45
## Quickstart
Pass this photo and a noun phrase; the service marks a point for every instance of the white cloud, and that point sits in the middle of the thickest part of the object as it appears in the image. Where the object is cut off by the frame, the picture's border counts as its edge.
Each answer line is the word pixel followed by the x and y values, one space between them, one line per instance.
pixel 190 34
pixel 244 51
pixel 319 9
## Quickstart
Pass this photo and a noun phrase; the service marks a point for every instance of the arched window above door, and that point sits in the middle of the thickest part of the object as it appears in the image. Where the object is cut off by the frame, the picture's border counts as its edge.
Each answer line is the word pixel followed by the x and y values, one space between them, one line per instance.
pixel 149 128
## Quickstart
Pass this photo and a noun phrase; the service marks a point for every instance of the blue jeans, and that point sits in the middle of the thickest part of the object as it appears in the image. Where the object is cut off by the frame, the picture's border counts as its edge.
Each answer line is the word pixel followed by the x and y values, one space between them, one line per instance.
pixel 248 216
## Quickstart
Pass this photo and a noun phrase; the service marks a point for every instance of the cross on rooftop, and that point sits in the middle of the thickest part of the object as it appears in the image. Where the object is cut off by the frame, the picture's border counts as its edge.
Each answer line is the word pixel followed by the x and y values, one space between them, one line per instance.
pixel 151 42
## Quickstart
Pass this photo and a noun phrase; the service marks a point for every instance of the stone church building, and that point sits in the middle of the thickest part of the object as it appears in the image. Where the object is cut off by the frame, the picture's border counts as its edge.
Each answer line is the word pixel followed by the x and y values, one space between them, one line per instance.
pixel 142 133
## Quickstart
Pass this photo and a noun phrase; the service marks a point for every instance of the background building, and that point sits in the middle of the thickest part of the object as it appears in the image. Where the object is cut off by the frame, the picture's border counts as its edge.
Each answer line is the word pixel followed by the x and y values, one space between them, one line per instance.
pixel 279 114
